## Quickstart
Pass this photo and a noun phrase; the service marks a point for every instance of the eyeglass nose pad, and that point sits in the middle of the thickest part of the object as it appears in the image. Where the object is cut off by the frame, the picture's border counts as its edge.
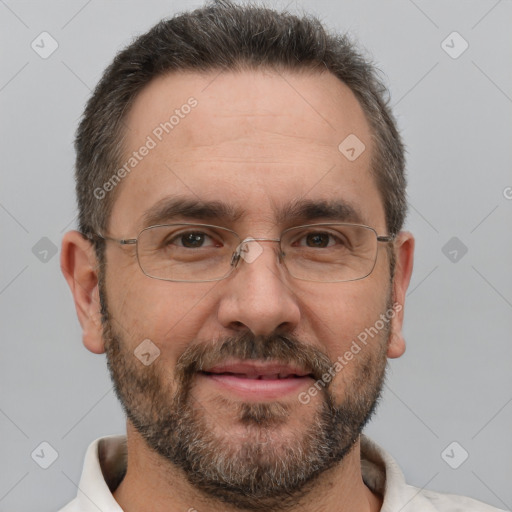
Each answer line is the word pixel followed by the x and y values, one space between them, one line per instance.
pixel 235 257
pixel 243 248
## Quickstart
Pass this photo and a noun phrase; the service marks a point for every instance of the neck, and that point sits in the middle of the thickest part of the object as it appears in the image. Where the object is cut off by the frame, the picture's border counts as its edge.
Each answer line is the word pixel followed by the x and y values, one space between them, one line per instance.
pixel 150 479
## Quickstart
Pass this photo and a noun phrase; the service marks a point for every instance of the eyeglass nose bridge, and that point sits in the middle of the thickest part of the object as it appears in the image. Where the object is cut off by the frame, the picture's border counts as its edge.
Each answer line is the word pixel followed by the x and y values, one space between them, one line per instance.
pixel 242 248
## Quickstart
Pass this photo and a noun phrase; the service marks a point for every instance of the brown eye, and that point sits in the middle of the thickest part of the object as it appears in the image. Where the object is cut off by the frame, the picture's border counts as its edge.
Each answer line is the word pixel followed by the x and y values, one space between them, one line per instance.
pixel 192 240
pixel 317 240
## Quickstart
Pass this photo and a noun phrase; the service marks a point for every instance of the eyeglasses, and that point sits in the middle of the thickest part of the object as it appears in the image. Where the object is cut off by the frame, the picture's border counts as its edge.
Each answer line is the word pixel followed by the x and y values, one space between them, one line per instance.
pixel 203 252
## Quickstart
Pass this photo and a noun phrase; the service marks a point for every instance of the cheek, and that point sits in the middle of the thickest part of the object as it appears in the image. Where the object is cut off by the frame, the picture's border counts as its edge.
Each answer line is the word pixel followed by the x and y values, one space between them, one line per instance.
pixel 345 321
pixel 340 311
pixel 348 323
pixel 169 314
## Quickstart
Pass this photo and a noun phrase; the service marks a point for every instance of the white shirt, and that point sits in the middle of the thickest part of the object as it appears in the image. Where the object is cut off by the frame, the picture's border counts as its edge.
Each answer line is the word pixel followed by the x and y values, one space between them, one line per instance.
pixel 105 465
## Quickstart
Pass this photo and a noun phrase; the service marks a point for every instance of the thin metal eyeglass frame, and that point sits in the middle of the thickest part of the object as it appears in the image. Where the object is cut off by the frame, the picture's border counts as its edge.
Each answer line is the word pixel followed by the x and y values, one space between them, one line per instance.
pixel 235 258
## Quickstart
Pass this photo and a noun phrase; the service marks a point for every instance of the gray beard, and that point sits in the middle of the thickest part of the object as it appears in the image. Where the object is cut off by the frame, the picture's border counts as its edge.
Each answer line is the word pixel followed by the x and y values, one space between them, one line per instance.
pixel 261 470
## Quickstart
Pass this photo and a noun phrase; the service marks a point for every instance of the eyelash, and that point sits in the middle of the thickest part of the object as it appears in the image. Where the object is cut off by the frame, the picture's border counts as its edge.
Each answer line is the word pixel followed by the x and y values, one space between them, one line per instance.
pixel 301 236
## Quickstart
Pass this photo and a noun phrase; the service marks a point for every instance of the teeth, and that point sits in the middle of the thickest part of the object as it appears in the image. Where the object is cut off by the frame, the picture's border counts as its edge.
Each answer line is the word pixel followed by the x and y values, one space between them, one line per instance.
pixel 284 375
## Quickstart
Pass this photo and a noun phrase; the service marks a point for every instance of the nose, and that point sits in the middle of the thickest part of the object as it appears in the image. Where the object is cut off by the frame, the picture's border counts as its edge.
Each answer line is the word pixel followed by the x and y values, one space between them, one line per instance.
pixel 258 295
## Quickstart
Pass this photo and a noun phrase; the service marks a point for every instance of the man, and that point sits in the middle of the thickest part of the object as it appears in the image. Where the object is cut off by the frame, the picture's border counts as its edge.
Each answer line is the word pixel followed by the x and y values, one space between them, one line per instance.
pixel 240 261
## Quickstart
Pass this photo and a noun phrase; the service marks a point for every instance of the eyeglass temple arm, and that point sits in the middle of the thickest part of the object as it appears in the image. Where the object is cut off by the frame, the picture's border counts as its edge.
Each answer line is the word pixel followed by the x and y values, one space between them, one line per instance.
pixel 388 238
pixel 132 241
pixel 122 241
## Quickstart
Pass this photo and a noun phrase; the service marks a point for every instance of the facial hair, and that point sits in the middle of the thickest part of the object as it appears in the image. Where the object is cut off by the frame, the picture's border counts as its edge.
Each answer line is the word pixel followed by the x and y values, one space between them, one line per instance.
pixel 262 470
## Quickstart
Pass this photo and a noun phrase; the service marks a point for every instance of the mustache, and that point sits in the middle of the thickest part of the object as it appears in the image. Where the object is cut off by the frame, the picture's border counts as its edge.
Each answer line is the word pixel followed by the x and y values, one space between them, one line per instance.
pixel 276 347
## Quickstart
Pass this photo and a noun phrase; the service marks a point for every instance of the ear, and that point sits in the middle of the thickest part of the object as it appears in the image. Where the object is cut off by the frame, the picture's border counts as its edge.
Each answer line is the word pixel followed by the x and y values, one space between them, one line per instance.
pixel 80 266
pixel 404 253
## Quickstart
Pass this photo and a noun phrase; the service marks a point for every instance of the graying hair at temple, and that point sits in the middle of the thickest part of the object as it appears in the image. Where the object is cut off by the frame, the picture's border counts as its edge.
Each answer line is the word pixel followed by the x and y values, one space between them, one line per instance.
pixel 224 36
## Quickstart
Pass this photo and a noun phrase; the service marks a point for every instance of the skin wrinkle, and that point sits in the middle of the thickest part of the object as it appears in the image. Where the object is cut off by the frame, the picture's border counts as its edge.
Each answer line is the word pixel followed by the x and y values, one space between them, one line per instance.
pixel 202 458
pixel 299 211
pixel 189 442
pixel 235 497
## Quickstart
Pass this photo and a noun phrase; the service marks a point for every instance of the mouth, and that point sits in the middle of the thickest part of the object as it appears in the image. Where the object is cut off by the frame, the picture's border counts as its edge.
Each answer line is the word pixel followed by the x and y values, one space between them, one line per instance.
pixel 257 380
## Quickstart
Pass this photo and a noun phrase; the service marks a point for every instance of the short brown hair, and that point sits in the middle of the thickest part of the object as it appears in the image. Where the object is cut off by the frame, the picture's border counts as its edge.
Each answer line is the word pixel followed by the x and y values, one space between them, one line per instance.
pixel 225 36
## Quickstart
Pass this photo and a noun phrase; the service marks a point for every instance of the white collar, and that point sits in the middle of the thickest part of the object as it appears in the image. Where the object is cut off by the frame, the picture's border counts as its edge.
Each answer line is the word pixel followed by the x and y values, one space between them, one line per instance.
pixel 105 465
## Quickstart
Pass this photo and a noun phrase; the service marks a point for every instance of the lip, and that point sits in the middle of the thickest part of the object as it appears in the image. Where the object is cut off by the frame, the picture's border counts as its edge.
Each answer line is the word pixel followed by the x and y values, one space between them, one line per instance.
pixel 257 380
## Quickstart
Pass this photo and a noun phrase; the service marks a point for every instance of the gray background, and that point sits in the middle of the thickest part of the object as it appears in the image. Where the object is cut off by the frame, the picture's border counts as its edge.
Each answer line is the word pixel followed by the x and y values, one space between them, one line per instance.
pixel 453 383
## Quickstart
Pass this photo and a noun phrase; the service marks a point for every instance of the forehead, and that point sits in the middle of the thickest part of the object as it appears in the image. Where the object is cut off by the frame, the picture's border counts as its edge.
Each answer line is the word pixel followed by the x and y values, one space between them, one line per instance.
pixel 256 140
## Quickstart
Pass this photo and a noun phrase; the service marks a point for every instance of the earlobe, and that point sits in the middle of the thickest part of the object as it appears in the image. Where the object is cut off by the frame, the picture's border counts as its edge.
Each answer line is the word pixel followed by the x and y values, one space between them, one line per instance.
pixel 79 266
pixel 404 252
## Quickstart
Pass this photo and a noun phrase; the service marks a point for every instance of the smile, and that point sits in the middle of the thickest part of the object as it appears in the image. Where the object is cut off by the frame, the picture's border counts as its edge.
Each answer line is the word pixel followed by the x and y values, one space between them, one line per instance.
pixel 257 380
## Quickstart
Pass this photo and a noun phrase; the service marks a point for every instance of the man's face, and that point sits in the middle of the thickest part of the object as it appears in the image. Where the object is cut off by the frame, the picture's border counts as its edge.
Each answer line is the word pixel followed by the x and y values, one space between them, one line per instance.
pixel 256 141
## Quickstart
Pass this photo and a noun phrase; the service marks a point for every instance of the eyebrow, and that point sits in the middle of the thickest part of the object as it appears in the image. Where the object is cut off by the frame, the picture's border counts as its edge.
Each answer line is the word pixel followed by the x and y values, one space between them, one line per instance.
pixel 305 210
pixel 171 208
pixel 299 210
